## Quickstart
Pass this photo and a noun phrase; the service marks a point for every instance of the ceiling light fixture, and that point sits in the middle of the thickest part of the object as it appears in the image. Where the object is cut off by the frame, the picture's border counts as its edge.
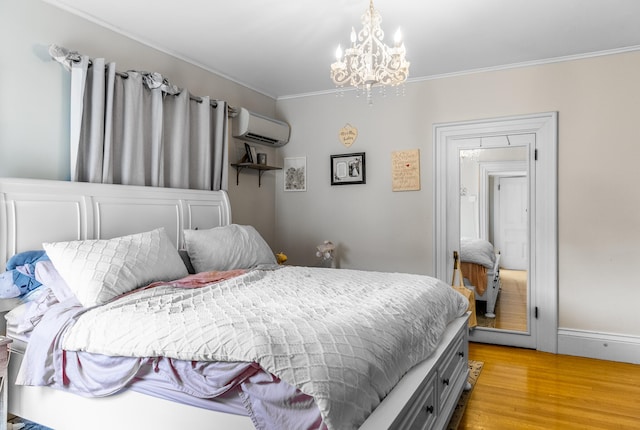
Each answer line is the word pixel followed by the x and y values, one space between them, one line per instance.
pixel 369 62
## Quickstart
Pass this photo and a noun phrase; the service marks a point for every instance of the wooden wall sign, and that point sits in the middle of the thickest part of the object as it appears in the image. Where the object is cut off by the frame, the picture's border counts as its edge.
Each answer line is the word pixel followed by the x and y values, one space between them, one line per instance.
pixel 348 135
pixel 405 170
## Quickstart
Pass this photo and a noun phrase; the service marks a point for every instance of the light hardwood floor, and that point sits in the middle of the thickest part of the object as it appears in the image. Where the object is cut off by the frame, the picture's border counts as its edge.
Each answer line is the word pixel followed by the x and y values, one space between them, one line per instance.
pixel 527 389
pixel 511 307
pixel 511 313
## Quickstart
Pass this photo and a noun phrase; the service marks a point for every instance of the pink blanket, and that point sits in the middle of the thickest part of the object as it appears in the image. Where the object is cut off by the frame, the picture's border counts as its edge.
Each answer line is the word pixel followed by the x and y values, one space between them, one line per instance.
pixel 195 281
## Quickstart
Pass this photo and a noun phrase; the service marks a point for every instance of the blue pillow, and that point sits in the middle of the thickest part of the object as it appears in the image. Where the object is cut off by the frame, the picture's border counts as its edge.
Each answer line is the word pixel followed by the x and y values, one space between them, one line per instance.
pixel 20 278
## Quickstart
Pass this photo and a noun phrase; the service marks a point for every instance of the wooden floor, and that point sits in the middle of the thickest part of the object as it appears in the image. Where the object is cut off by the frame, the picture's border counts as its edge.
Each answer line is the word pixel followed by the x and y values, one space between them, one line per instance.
pixel 527 389
pixel 511 306
pixel 511 314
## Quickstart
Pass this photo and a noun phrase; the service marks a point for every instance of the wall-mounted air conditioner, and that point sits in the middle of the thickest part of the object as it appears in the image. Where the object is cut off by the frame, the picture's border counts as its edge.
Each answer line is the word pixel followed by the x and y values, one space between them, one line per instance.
pixel 252 127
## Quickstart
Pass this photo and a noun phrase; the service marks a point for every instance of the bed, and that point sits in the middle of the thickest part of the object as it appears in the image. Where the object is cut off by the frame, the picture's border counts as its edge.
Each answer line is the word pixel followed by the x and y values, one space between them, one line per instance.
pixel 480 266
pixel 423 390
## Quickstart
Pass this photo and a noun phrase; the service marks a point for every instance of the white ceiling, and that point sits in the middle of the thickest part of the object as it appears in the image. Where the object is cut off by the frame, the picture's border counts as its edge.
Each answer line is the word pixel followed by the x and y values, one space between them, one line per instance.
pixel 284 48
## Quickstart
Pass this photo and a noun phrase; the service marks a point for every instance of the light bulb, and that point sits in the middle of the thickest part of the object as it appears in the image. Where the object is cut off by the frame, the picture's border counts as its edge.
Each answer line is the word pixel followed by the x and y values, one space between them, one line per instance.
pixel 339 53
pixel 353 35
pixel 397 38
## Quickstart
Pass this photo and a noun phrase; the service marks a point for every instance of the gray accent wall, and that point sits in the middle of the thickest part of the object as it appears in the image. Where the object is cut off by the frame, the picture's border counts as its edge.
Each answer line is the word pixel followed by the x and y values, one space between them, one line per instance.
pixel 34 101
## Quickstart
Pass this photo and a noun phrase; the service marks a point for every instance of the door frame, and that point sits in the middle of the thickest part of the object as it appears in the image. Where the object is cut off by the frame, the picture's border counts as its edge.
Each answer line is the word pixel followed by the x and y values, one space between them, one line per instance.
pixel 543 237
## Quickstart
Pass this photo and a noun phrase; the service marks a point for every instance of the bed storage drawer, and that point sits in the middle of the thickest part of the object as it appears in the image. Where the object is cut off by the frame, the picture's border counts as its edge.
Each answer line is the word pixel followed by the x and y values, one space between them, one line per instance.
pixel 424 411
pixel 454 363
pixel 433 407
pixel 408 406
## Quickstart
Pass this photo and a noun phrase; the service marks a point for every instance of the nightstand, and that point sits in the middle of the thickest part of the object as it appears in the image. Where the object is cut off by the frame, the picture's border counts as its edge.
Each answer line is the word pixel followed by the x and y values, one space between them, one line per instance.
pixel 4 367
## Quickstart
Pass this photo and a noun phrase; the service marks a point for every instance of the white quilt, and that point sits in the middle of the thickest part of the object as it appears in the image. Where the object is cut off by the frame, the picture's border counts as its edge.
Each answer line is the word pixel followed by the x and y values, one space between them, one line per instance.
pixel 477 251
pixel 344 337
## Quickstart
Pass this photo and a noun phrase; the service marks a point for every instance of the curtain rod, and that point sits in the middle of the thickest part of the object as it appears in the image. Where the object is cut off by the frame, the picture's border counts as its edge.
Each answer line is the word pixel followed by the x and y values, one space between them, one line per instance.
pixel 213 103
pixel 58 53
pixel 232 112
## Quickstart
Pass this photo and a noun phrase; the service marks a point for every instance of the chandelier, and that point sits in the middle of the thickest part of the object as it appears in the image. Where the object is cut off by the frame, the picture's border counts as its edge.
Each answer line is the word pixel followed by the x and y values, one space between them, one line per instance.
pixel 369 62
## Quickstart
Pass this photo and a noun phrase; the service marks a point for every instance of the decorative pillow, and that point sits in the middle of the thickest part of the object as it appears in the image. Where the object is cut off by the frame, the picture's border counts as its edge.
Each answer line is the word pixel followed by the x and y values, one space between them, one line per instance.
pixel 227 248
pixel 99 270
pixel 20 279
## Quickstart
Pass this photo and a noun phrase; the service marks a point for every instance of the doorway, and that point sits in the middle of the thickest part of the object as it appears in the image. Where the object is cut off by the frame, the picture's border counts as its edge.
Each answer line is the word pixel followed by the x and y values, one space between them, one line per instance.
pixel 510 223
pixel 536 137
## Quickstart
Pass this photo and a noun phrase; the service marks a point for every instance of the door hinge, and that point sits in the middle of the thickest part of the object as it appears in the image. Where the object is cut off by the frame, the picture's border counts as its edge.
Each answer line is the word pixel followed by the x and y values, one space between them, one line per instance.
pixel 536 313
pixel 535 154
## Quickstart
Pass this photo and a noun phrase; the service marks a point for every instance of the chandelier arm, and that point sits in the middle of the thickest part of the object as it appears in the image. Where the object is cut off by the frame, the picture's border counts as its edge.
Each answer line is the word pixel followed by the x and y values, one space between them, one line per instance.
pixel 369 62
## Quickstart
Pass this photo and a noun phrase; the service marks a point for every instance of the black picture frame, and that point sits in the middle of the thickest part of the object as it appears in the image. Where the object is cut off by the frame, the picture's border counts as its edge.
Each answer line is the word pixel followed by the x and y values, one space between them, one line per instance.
pixel 348 169
pixel 249 157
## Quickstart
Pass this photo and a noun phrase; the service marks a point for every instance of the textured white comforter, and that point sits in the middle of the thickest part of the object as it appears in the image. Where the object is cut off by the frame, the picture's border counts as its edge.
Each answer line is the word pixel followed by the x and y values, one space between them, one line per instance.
pixel 478 251
pixel 343 337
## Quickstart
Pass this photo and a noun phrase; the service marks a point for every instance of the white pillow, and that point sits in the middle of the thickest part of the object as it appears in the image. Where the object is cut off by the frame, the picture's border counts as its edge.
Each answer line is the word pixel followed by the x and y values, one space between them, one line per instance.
pixel 96 271
pixel 227 248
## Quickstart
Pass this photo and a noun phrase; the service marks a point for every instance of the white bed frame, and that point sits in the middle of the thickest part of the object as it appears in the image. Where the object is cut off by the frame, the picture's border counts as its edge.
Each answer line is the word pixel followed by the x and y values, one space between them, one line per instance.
pixel 35 211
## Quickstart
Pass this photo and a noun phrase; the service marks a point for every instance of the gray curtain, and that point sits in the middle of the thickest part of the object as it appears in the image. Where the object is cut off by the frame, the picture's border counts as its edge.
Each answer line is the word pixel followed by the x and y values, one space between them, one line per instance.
pixel 135 128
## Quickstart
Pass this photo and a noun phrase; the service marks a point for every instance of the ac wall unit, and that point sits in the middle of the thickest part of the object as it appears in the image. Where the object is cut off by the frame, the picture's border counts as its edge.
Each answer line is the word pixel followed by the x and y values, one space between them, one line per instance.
pixel 252 127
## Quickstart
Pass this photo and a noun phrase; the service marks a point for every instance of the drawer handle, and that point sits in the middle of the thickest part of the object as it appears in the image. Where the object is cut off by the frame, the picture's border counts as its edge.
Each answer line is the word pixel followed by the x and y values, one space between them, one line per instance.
pixel 429 409
pixel 461 354
pixel 445 381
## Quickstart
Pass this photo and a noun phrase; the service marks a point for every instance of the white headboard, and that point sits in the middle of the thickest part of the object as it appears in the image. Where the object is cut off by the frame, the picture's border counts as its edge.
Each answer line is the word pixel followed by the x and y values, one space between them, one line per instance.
pixel 33 211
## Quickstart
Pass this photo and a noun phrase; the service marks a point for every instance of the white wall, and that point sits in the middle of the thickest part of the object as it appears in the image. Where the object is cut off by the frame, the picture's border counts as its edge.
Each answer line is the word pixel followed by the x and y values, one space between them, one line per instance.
pixel 599 195
pixel 34 101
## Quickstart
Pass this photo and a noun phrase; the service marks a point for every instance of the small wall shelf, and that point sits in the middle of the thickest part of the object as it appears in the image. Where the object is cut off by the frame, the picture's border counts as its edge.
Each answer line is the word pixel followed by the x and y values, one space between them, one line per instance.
pixel 261 168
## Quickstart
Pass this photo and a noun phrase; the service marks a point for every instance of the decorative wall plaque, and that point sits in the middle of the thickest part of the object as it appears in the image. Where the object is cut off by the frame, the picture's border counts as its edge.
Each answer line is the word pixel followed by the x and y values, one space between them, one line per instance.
pixel 348 135
pixel 405 170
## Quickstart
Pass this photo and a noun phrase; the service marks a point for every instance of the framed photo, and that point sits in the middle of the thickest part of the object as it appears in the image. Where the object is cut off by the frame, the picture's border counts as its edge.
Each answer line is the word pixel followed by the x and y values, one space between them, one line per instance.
pixel 295 173
pixel 247 150
pixel 348 169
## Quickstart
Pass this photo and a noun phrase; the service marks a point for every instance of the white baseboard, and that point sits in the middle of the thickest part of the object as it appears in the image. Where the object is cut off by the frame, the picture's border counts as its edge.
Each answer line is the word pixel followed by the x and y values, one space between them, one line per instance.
pixel 603 346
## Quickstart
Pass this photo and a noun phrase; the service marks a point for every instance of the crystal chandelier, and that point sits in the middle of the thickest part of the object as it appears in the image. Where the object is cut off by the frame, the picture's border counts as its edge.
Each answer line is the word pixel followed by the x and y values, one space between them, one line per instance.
pixel 369 62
